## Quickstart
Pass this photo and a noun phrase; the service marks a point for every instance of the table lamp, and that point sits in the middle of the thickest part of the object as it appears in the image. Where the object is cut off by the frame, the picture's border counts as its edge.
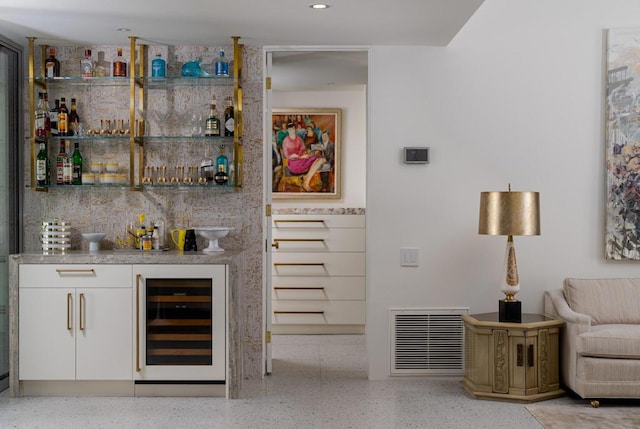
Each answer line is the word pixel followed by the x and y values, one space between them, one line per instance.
pixel 510 213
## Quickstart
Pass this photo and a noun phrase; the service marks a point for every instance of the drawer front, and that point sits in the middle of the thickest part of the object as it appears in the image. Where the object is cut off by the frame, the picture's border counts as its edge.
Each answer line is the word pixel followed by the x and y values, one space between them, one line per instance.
pixel 318 221
pixel 318 264
pixel 318 312
pixel 75 275
pixel 319 240
pixel 318 288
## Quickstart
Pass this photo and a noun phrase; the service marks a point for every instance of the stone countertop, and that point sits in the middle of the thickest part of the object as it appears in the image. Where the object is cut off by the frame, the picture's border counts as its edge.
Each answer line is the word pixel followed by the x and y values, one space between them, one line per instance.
pixel 128 257
pixel 320 211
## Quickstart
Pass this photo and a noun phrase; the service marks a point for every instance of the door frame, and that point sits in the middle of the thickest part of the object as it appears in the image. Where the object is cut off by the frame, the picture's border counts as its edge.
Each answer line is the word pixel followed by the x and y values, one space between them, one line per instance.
pixel 267 177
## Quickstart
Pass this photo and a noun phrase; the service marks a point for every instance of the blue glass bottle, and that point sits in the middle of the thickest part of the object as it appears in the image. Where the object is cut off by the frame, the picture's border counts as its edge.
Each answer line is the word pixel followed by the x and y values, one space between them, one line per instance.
pixel 222 168
pixel 222 65
pixel 158 67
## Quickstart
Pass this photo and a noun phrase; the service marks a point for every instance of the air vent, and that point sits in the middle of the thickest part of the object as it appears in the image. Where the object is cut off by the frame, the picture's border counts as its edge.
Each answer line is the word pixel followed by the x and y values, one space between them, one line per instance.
pixel 427 341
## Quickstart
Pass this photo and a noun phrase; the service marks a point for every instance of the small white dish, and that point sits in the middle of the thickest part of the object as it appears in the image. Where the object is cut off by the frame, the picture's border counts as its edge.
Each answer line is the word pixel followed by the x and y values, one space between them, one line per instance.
pixel 94 239
pixel 213 233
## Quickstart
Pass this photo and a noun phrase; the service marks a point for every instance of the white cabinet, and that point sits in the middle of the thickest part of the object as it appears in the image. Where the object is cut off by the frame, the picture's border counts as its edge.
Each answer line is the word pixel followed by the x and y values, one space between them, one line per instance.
pixel 75 322
pixel 318 274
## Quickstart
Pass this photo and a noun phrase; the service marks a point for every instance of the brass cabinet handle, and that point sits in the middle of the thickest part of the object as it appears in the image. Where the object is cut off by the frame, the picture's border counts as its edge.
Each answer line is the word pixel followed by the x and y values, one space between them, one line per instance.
pixel 530 359
pixel 297 288
pixel 82 312
pixel 299 220
pixel 520 355
pixel 62 271
pixel 69 307
pixel 298 264
pixel 275 244
pixel 138 276
pixel 298 312
pixel 300 240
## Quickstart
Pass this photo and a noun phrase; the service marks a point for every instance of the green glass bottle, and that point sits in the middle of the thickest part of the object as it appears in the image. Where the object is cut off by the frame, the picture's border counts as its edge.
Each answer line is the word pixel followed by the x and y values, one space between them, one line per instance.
pixel 42 166
pixel 76 175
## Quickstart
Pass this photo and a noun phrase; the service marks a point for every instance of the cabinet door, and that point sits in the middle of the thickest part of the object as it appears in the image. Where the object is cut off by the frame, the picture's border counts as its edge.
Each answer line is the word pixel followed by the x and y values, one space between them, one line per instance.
pixel 104 334
pixel 47 334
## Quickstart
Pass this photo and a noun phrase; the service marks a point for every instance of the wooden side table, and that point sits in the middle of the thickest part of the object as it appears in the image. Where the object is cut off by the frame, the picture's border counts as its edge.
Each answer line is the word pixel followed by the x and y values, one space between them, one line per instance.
pixel 512 361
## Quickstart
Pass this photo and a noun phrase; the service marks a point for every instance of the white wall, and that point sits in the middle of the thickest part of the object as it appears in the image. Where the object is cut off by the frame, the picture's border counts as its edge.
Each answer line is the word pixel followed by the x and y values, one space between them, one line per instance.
pixel 354 138
pixel 516 97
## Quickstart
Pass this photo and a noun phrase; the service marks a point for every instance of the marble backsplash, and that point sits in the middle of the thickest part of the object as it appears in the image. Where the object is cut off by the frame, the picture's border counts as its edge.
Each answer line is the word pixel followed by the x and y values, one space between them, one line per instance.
pixel 93 209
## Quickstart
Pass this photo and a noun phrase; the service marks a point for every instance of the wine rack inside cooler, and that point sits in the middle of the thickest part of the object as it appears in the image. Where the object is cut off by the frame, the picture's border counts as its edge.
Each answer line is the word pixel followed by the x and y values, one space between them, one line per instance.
pixel 179 322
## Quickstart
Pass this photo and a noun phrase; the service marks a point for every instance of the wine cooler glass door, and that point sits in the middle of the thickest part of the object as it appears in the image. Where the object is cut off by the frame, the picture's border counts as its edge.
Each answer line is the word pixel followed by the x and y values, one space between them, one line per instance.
pixel 181 329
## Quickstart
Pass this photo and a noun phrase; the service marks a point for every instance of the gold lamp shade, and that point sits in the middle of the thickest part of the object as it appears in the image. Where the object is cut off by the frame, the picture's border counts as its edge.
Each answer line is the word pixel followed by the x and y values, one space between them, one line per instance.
pixel 509 213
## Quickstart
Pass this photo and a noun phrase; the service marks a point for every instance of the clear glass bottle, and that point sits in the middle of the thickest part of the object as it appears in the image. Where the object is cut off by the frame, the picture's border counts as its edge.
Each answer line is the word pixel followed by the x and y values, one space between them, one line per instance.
pixel 41 115
pixel 52 65
pixel 67 165
pixel 207 169
pixel 76 160
pixel 212 124
pixel 102 67
pixel 86 65
pixel 60 164
pixel 53 118
pixel 221 65
pixel 119 66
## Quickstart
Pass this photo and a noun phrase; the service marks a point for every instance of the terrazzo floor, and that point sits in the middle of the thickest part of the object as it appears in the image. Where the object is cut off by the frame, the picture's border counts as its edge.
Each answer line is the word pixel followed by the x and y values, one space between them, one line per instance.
pixel 317 382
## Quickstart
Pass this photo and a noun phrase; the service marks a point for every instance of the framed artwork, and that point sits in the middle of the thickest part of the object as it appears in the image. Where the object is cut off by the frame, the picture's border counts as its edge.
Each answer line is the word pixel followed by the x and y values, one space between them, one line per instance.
pixel 623 144
pixel 306 145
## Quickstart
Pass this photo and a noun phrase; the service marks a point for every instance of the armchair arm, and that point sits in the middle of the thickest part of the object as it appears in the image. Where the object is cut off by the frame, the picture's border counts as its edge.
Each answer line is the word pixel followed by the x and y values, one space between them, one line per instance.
pixel 555 305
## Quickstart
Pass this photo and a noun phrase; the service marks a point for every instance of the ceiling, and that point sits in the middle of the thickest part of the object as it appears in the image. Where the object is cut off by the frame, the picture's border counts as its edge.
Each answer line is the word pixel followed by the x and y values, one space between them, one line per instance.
pixel 286 23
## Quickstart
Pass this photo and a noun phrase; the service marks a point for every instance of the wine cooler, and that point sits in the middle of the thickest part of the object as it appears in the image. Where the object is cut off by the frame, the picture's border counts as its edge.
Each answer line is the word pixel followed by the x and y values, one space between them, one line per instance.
pixel 180 322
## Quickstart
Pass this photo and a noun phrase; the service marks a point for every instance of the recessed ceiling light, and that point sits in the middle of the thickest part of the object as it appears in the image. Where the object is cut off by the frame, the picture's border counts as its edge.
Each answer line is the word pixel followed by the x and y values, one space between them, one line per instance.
pixel 123 29
pixel 319 6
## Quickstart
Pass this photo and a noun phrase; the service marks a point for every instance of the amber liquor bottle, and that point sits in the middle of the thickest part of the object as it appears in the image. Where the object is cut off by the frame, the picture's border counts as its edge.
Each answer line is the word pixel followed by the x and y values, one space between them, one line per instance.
pixel 63 118
pixel 52 65
pixel 229 121
pixel 119 66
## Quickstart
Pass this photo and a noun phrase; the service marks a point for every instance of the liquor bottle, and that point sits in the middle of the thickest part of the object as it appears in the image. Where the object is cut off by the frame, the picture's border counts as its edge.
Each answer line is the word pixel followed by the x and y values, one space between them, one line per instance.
pixel 141 230
pixel 86 66
pixel 67 165
pixel 221 65
pixel 60 164
pixel 47 118
pixel 212 124
pixel 229 121
pixel 40 114
pixel 76 161
pixel 158 67
pixel 207 170
pixel 155 238
pixel 74 119
pixel 52 65
pixel 102 68
pixel 53 118
pixel 222 168
pixel 63 118
pixel 42 166
pixel 119 66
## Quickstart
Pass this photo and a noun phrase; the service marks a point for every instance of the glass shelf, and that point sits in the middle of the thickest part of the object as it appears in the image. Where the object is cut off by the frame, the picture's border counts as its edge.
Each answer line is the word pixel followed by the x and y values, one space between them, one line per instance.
pixel 172 82
pixel 169 185
pixel 84 81
pixel 173 139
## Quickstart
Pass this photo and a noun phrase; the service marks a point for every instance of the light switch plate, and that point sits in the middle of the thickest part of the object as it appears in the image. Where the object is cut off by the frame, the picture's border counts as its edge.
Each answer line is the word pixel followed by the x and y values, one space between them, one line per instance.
pixel 409 256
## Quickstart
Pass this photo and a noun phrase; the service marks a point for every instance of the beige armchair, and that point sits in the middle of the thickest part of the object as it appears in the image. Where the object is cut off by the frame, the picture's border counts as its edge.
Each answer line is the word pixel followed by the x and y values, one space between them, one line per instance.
pixel 600 342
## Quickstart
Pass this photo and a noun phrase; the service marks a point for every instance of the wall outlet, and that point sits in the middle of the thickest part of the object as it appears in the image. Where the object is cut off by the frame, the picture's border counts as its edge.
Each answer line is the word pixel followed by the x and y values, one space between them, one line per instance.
pixel 409 256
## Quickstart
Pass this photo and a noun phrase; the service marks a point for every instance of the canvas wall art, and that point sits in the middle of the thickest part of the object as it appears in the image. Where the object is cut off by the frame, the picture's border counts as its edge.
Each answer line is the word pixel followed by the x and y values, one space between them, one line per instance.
pixel 623 144
pixel 306 149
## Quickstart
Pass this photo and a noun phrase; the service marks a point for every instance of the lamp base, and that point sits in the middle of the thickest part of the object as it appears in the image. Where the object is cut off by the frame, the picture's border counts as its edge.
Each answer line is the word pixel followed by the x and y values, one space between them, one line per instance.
pixel 510 311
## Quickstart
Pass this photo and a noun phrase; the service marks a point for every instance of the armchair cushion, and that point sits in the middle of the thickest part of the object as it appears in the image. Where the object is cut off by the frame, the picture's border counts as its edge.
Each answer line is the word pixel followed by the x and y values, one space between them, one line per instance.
pixel 610 341
pixel 605 300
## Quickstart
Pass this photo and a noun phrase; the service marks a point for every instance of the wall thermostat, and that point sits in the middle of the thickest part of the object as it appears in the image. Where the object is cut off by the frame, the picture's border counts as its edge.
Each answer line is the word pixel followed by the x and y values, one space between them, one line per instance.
pixel 416 155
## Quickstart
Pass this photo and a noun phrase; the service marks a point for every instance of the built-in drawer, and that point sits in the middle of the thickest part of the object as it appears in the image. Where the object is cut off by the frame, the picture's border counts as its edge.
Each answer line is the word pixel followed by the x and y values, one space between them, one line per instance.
pixel 75 275
pixel 318 221
pixel 319 240
pixel 318 288
pixel 318 264
pixel 319 312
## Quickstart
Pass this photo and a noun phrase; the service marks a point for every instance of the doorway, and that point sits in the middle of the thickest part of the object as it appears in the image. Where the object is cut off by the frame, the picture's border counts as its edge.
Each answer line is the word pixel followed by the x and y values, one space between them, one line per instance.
pixel 323 78
pixel 10 179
